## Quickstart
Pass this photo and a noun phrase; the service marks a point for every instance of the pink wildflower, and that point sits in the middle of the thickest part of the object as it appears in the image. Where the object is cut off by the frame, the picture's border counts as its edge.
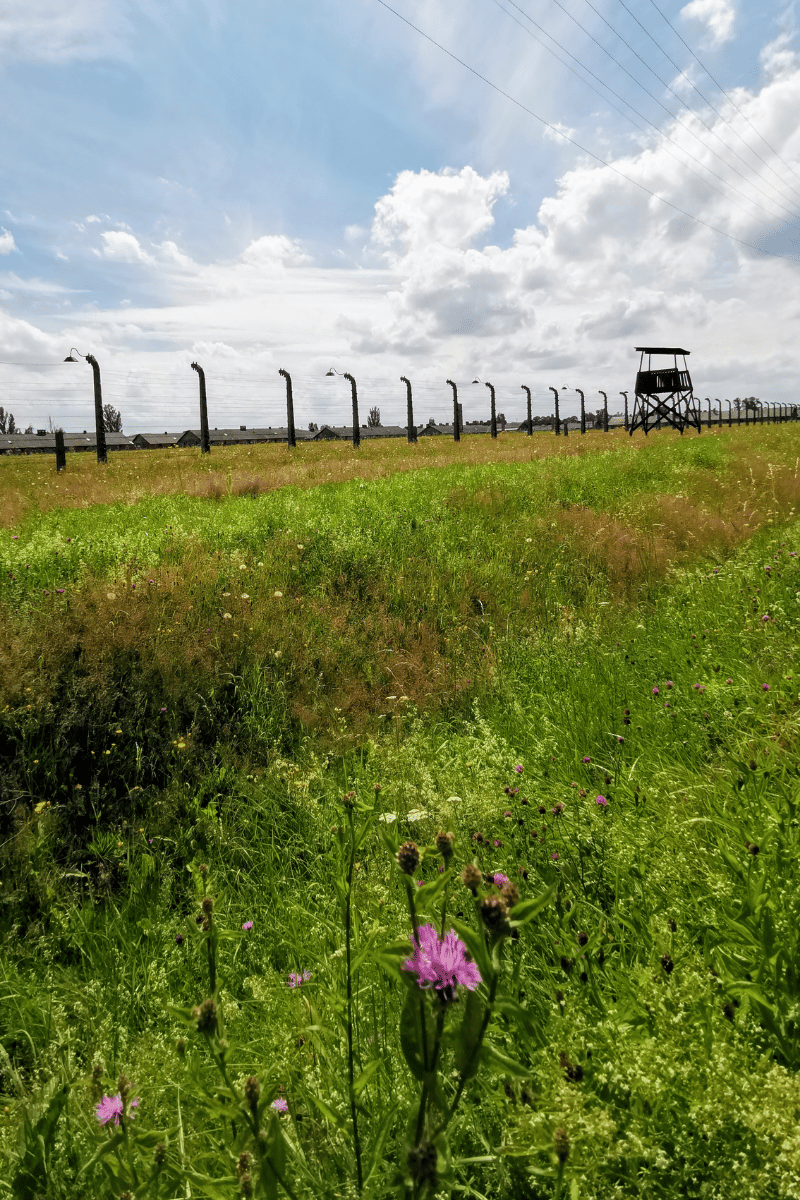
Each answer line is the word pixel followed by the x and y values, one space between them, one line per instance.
pixel 519 768
pixel 669 684
pixel 586 758
pixel 111 1106
pixel 655 691
pixel 554 855
pixel 765 687
pixel 507 813
pixel 297 979
pixel 601 800
pixel 280 1105
pixel 442 965
pixel 499 879
pixel 247 926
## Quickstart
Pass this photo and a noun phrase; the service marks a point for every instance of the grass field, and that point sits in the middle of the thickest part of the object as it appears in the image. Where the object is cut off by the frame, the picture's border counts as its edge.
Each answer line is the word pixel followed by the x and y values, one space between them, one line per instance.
pixel 237 709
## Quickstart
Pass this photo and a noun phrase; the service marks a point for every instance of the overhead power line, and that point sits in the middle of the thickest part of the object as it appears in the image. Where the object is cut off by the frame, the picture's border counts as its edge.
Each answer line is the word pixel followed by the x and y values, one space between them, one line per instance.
pixel 665 137
pixel 681 101
pixel 705 99
pixel 728 97
pixel 584 150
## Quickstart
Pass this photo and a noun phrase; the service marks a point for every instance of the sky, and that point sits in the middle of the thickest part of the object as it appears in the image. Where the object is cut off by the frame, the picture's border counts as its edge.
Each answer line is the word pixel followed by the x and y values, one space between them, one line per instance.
pixel 519 193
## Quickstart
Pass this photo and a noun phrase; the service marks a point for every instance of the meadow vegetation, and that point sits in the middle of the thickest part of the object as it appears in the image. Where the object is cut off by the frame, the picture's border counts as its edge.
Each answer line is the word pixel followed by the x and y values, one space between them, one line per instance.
pixel 237 717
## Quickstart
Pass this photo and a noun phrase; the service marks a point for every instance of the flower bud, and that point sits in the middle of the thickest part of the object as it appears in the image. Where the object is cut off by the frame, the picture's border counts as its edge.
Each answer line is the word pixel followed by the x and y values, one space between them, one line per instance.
pixel 181 1048
pixel 471 877
pixel 408 858
pixel 207 906
pixel 583 938
pixel 444 844
pixel 510 894
pixel 246 1184
pixel 494 915
pixel 245 1162
pixel 561 1145
pixel 203 869
pixel 667 963
pixel 123 1087
pixel 159 1156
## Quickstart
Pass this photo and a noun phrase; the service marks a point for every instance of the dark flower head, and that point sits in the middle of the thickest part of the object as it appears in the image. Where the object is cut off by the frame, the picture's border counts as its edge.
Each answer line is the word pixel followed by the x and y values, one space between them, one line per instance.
pixel 667 963
pixel 510 893
pixel 180 1048
pixel 583 938
pixel 444 844
pixel 471 877
pixel 178 939
pixel 494 914
pixel 252 1091
pixel 566 964
pixel 206 1017
pixel 561 1145
pixel 408 858
pixel 207 906
pixel 752 848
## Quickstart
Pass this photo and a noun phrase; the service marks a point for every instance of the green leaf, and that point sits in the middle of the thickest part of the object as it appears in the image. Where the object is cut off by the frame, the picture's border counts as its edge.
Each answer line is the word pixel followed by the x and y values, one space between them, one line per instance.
pixel 468 1036
pixel 474 941
pixel 499 1061
pixel 327 1112
pixel 30 1180
pixel 365 1076
pixel 526 910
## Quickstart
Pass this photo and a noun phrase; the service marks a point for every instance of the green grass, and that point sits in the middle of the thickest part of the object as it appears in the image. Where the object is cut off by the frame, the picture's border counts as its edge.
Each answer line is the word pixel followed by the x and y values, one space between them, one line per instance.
pixel 672 1066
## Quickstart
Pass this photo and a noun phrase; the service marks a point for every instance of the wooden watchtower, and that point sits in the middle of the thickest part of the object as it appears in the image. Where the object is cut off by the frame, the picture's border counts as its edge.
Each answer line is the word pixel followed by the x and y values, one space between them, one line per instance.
pixel 664 395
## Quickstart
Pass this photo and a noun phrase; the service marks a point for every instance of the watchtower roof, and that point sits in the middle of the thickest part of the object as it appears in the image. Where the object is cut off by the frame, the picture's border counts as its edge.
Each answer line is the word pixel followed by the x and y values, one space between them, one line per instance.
pixel 662 350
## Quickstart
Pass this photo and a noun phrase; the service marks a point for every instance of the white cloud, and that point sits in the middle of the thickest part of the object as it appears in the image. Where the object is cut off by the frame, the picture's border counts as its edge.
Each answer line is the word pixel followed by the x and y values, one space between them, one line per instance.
pixel 58 30
pixel 718 16
pixel 7 243
pixel 778 56
pixel 119 246
pixel 445 208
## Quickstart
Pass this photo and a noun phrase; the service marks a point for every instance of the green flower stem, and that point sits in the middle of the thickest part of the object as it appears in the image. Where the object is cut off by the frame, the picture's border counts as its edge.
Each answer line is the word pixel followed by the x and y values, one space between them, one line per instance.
pixel 467 1072
pixel 350 1057
pixel 426 1087
pixel 412 908
pixel 559 1182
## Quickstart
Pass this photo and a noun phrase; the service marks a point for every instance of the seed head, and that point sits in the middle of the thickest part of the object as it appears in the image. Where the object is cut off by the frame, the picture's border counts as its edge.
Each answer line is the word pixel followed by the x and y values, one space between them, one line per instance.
pixel 245 1162
pixel 471 877
pixel 207 906
pixel 408 858
pixel 444 844
pixel 252 1091
pixel 245 1184
pixel 752 848
pixel 494 914
pixel 667 963
pixel 510 893
pixel 561 1145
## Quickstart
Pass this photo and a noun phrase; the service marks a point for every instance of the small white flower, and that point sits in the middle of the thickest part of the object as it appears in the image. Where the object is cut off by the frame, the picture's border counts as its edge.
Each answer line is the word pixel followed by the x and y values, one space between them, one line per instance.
pixel 245 596
pixel 226 593
pixel 387 818
pixel 242 567
pixel 278 594
pixel 417 814
pixel 227 617
pixel 259 564
pixel 111 595
pixel 300 546
pixel 453 800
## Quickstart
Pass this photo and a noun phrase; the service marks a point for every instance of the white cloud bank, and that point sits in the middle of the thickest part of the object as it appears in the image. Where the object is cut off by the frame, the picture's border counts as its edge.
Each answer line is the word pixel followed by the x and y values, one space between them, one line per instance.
pixel 60 30
pixel 601 267
pixel 7 243
pixel 718 16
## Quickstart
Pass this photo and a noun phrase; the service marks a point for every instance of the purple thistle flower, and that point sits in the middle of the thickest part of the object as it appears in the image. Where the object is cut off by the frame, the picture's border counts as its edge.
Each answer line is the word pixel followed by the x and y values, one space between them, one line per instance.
pixel 497 842
pixel 765 617
pixel 498 879
pixel 669 684
pixel 655 691
pixel 442 965
pixel 298 978
pixel 247 926
pixel 507 813
pixel 729 681
pixel 111 1106
pixel 519 768
pixel 601 800
pixel 554 856
pixel 586 758
pixel 178 939
pixel 765 687
pixel 280 1105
